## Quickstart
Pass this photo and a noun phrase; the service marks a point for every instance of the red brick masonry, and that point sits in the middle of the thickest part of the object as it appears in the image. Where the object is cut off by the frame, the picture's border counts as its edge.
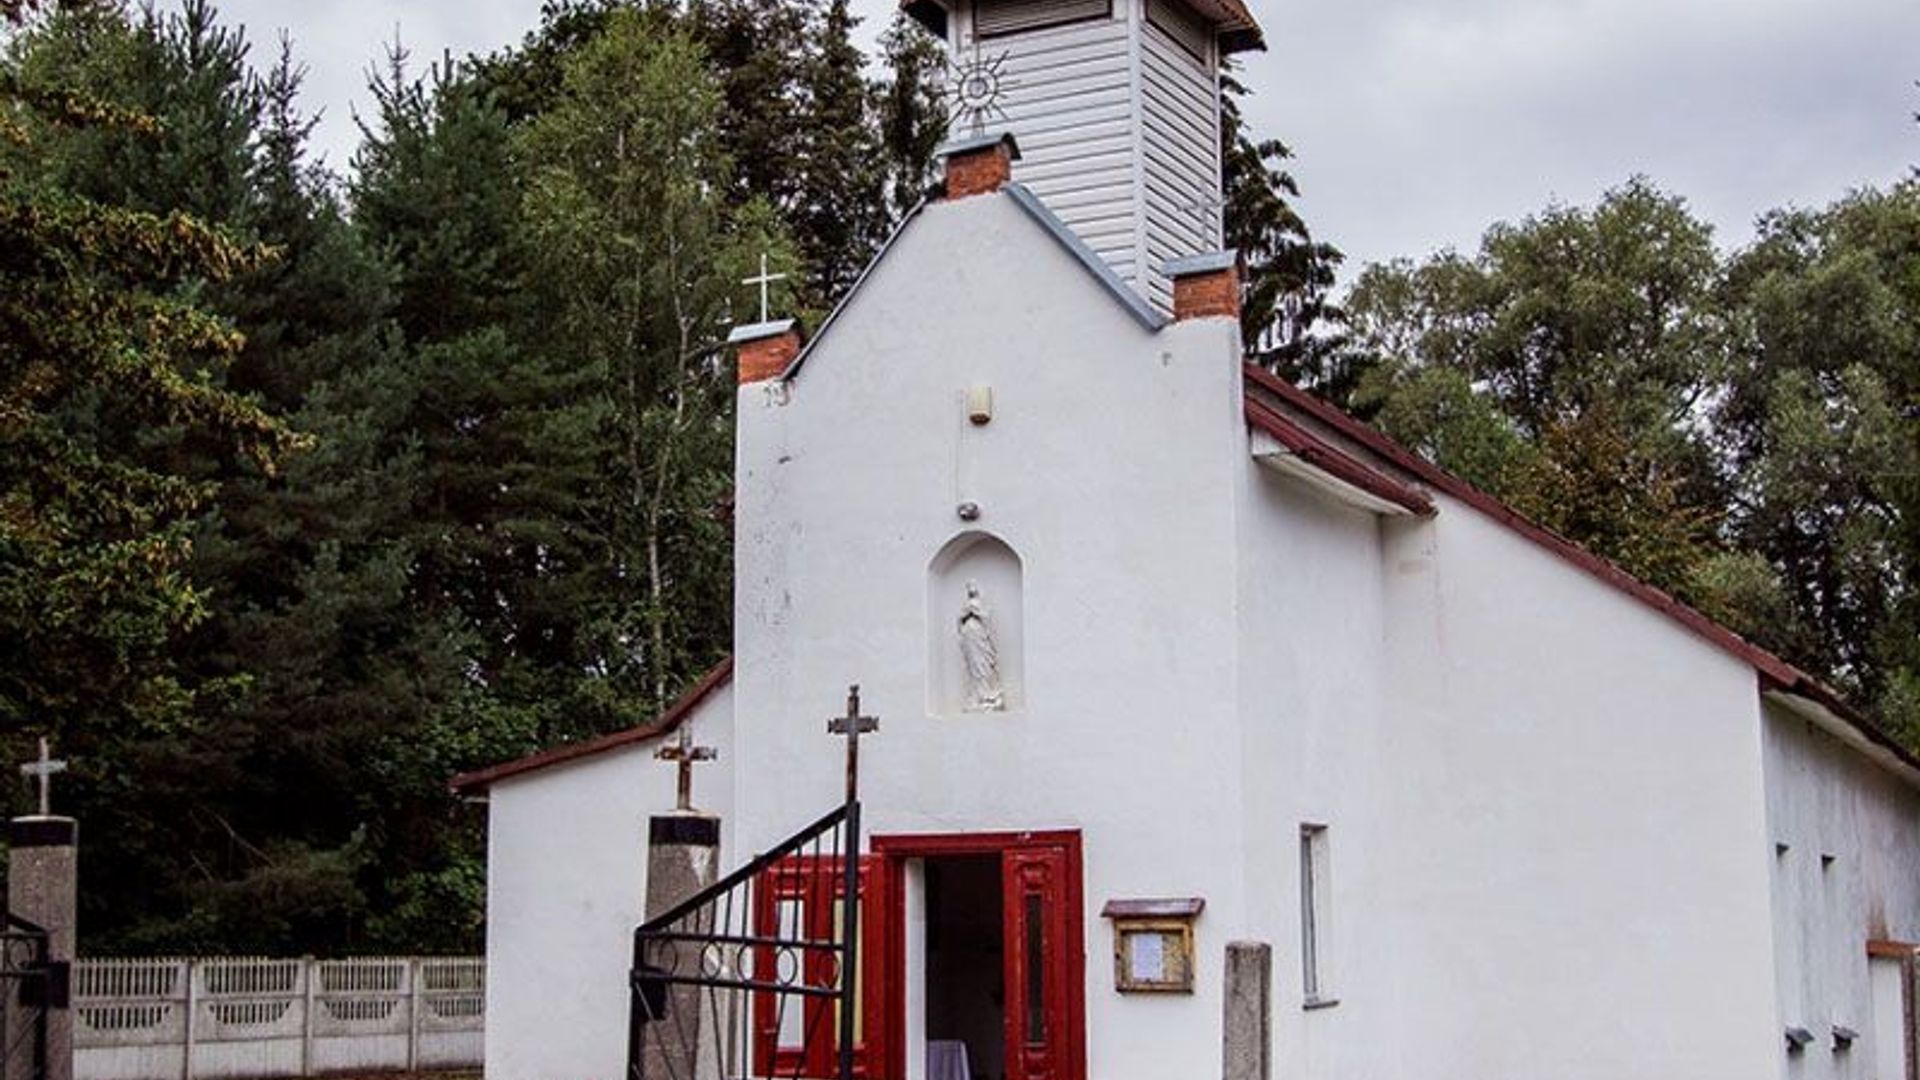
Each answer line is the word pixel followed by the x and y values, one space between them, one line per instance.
pixel 767 358
pixel 979 171
pixel 1207 295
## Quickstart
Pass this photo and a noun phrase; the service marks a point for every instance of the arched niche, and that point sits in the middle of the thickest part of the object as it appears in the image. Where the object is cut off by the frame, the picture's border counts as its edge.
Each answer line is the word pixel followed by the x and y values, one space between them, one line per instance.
pixel 986 562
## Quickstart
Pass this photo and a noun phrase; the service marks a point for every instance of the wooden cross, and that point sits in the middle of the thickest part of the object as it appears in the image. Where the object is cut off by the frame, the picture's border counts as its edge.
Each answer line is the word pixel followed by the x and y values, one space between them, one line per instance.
pixel 683 753
pixel 852 726
pixel 765 280
pixel 43 771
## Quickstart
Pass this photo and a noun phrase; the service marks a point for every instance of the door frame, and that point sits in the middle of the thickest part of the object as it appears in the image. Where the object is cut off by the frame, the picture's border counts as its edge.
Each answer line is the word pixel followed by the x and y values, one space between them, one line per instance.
pixel 1908 956
pixel 890 854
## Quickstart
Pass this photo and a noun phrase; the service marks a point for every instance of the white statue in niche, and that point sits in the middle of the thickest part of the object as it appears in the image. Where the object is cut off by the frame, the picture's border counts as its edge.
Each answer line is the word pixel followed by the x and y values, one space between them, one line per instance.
pixel 984 693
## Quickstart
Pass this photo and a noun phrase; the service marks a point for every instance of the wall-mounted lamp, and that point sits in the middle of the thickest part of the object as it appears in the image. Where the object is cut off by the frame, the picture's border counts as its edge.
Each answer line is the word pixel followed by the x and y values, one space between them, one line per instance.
pixel 980 405
pixel 1798 1039
pixel 1843 1037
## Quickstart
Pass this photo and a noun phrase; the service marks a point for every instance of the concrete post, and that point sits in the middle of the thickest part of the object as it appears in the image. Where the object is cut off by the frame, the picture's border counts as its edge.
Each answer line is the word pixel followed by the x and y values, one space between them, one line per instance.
pixel 309 1001
pixel 415 1000
pixel 42 888
pixel 1248 1028
pixel 683 857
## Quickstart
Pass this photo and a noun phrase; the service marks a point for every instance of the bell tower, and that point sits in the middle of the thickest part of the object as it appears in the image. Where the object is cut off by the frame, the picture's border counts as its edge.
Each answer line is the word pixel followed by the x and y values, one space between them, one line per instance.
pixel 1115 105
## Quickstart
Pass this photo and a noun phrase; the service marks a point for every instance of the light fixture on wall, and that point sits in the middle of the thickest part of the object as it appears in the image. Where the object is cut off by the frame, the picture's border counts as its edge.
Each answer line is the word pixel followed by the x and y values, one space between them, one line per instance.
pixel 1843 1037
pixel 1798 1039
pixel 980 405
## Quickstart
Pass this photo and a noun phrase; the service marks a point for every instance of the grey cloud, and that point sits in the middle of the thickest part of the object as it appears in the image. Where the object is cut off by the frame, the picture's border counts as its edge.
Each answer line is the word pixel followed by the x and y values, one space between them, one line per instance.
pixel 1418 123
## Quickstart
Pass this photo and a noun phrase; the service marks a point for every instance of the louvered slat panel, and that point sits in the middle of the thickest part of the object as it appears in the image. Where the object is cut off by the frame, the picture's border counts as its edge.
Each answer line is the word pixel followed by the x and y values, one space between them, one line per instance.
pixel 994 17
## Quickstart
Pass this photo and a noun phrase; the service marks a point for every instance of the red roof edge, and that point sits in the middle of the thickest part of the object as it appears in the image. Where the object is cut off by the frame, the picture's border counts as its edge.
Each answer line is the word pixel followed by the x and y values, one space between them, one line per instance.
pixel 1827 697
pixel 1775 673
pixel 666 723
pixel 1327 458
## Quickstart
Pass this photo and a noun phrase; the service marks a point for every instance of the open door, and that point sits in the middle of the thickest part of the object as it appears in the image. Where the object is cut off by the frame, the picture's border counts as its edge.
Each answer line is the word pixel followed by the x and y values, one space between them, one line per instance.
pixel 999 1000
pixel 1043 960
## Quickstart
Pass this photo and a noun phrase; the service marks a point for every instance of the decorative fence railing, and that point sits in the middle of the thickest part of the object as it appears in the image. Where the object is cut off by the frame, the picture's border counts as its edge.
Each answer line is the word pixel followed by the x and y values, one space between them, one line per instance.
pixel 239 1017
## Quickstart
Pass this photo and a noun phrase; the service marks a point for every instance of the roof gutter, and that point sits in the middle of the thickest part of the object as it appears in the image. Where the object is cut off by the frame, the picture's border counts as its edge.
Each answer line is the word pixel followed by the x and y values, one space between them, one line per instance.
pixel 1833 718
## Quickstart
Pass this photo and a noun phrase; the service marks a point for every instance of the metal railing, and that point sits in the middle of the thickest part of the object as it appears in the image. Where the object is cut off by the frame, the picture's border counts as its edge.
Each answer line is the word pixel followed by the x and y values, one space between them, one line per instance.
pixel 225 1018
pixel 754 977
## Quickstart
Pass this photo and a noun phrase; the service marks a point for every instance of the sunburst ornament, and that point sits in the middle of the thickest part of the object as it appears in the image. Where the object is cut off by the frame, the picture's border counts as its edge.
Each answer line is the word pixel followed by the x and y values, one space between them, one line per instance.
pixel 976 87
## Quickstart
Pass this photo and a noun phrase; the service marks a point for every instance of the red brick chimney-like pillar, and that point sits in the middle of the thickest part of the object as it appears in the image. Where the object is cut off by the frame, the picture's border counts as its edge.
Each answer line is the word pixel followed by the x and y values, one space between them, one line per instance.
pixel 980 165
pixel 1206 286
pixel 765 350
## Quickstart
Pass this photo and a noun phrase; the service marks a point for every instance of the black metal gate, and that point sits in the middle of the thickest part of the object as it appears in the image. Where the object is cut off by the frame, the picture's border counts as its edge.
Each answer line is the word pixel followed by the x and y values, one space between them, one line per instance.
pixel 754 978
pixel 26 991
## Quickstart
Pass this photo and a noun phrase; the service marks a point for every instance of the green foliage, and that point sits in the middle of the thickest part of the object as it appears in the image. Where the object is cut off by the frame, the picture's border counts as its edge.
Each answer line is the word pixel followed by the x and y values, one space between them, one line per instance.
pixel 642 259
pixel 1821 423
pixel 1563 368
pixel 1741 430
pixel 113 413
pixel 1288 318
pixel 841 215
pixel 913 114
pixel 107 373
pixel 501 344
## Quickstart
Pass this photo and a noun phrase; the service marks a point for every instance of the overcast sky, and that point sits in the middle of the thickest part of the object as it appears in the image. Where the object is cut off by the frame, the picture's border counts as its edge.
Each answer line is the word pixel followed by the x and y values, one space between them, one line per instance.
pixel 1419 122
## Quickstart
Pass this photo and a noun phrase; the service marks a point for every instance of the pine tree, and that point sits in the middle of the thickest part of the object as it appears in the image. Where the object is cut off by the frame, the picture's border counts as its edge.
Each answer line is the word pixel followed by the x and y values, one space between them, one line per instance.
pixel 1288 316
pixel 839 218
pixel 108 390
pixel 912 111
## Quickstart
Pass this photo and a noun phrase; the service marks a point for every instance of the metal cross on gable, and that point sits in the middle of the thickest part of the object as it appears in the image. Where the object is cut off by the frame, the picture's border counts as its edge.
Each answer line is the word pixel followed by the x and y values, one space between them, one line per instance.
pixel 683 753
pixel 765 281
pixel 1204 208
pixel 43 770
pixel 852 726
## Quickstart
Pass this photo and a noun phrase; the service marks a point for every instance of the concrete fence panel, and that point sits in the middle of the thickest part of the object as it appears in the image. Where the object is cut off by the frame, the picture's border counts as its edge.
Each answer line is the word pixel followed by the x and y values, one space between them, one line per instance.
pixel 233 1018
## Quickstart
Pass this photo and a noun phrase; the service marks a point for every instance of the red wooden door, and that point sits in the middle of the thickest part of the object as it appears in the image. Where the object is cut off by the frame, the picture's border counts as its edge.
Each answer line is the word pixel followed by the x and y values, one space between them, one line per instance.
pixel 802 899
pixel 1045 998
pixel 1043 958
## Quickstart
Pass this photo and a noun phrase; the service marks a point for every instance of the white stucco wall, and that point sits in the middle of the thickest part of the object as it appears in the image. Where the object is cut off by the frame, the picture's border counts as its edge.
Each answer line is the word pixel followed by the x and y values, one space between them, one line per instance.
pixel 1552 810
pixel 566 884
pixel 1849 874
pixel 1108 468
pixel 1543 797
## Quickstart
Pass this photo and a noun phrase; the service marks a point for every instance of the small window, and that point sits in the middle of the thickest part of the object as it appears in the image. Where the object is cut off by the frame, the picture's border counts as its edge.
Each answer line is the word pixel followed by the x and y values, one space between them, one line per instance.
pixel 1036 961
pixel 992 18
pixel 1315 914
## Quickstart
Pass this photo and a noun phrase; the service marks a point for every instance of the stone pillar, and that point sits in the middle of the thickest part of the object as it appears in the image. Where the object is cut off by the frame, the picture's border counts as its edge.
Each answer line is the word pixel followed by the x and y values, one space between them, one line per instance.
pixel 1248 1030
pixel 42 888
pixel 683 857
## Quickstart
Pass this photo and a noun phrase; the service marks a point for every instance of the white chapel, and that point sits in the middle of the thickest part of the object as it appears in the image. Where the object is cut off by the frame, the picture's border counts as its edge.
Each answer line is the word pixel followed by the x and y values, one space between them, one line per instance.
pixel 1218 735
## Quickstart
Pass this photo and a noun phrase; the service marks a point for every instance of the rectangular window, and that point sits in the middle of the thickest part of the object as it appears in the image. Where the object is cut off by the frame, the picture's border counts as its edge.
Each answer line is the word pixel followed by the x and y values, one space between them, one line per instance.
pixel 1315 914
pixel 992 18
pixel 1036 960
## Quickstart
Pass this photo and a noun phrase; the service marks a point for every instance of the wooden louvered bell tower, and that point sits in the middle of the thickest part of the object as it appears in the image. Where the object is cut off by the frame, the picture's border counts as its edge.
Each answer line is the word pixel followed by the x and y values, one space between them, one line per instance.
pixel 1114 104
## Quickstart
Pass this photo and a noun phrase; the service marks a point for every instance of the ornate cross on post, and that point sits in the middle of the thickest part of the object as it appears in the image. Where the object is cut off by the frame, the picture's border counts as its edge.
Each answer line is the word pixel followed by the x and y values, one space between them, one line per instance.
pixel 683 753
pixel 852 726
pixel 43 770
pixel 765 281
